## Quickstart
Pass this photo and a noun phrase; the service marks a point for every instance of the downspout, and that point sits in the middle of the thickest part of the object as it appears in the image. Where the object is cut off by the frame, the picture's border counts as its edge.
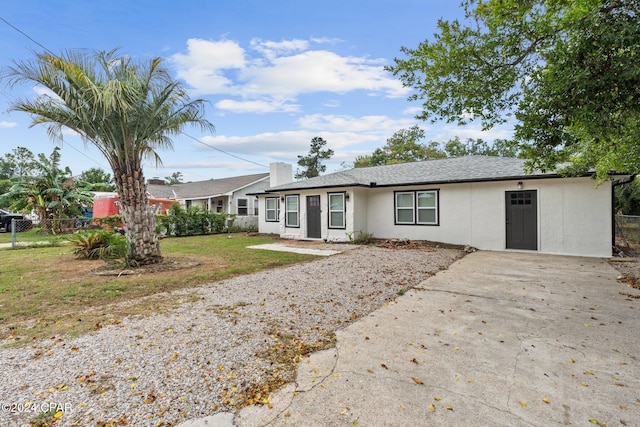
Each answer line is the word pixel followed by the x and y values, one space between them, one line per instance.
pixel 613 203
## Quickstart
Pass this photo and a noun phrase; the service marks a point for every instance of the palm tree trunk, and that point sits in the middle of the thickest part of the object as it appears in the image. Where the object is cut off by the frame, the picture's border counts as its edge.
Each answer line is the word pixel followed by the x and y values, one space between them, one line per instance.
pixel 139 221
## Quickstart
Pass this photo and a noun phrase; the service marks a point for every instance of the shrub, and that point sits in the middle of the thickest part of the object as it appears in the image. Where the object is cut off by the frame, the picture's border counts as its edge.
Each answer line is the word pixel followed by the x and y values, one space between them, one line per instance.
pixel 360 237
pixel 190 221
pixel 99 244
pixel 113 221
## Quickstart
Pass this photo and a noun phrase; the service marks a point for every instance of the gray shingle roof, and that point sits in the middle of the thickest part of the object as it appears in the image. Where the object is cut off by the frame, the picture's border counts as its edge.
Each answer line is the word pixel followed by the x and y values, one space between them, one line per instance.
pixel 212 187
pixel 454 169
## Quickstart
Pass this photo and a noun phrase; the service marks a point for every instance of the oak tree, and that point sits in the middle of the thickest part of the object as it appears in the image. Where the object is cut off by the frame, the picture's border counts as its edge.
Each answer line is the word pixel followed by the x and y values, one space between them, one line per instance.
pixel 566 72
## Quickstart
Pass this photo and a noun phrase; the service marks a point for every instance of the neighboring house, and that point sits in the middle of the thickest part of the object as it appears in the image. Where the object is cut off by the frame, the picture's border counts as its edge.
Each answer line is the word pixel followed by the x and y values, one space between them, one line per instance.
pixel 485 202
pixel 225 195
pixel 108 203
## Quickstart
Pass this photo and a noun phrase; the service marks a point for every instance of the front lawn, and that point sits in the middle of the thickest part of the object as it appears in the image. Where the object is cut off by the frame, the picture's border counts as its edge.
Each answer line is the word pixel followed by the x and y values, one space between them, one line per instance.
pixel 46 292
pixel 33 235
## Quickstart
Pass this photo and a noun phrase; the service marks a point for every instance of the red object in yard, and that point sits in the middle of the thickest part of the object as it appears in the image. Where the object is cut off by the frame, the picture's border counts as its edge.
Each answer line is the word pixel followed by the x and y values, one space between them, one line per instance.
pixel 107 205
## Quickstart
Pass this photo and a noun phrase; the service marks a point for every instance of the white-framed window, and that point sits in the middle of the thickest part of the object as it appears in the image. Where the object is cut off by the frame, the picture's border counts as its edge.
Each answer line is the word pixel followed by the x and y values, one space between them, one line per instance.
pixel 292 211
pixel 219 207
pixel 405 207
pixel 272 209
pixel 336 210
pixel 416 207
pixel 243 207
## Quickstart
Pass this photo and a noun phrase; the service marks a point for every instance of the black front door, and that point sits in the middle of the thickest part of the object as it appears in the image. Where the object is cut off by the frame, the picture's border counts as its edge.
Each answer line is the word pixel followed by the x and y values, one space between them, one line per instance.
pixel 313 217
pixel 522 219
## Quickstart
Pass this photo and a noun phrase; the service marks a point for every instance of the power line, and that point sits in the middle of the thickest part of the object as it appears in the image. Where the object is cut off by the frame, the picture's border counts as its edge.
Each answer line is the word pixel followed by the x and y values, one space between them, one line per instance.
pixel 84 154
pixel 187 135
pixel 25 34
pixel 225 152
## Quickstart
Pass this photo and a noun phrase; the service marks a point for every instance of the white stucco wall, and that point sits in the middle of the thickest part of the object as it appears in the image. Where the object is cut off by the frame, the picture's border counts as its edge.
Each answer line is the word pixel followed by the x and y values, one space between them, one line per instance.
pixel 574 216
pixel 332 235
pixel 265 226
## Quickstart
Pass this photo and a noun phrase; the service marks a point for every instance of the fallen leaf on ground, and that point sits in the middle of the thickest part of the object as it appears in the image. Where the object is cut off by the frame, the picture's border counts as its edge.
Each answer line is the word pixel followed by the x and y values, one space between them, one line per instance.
pixel 417 380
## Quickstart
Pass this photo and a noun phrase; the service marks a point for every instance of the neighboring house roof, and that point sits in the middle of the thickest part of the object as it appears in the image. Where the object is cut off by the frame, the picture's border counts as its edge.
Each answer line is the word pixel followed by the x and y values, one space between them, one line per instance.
pixel 437 171
pixel 204 189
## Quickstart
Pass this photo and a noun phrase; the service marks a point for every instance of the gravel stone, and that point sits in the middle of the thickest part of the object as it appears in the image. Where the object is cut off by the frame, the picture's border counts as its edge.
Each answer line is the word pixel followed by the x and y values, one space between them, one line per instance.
pixel 201 358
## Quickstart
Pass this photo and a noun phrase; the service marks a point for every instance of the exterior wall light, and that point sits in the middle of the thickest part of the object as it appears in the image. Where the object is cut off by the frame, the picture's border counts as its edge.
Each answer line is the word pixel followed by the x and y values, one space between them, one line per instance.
pixel 520 185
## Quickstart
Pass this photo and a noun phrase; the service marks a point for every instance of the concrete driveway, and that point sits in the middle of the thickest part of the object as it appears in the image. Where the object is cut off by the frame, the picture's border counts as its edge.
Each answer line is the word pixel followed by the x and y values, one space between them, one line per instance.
pixel 498 339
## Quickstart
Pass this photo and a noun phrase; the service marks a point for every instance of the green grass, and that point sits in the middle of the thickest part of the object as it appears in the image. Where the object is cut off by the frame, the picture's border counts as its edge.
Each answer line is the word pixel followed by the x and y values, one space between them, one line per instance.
pixel 46 291
pixel 33 235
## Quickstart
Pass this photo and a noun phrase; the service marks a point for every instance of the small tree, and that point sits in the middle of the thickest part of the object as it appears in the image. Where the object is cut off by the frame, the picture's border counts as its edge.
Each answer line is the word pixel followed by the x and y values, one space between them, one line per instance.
pixel 96 179
pixel 175 178
pixel 402 147
pixel 312 162
pixel 13 166
pixel 479 147
pixel 51 193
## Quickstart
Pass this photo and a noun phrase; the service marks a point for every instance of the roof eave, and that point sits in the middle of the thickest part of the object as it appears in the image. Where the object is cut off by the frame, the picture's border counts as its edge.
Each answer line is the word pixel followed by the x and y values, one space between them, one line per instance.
pixel 431 182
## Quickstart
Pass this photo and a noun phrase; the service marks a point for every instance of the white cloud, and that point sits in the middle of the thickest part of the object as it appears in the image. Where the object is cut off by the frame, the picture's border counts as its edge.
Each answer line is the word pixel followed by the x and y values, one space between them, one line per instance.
pixel 8 124
pixel 319 71
pixel 278 71
pixel 257 106
pixel 46 92
pixel 204 65
pixel 369 124
pixel 348 136
pixel 447 133
pixel 271 49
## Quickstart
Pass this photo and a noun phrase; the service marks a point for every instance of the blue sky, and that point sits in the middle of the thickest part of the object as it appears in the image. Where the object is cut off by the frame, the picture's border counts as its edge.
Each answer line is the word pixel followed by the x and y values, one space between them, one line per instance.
pixel 276 74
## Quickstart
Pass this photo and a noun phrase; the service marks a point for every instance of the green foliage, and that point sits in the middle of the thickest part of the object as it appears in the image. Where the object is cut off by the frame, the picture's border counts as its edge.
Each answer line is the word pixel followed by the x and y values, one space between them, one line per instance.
pixel 175 178
pixel 312 162
pixel 128 110
pixel 51 192
pixel 99 244
pixel 627 198
pixel 405 146
pixel 479 147
pixel 566 70
pixel 96 179
pixel 112 221
pixel 360 238
pixel 19 163
pixel 191 221
pixel 402 147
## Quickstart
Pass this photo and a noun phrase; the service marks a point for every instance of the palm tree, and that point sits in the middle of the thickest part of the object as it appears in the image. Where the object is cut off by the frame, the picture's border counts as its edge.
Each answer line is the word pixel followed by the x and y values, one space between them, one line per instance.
pixel 127 110
pixel 51 193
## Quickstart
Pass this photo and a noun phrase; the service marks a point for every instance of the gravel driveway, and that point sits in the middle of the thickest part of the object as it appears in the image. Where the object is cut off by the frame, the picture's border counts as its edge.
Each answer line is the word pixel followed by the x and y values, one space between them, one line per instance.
pixel 229 342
